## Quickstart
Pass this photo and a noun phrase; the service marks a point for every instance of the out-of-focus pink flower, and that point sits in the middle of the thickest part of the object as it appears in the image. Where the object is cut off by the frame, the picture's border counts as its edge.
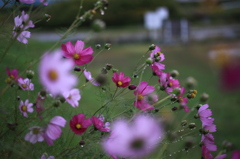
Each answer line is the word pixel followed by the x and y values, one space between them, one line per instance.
pixel 27 1
pixel 135 139
pixel 204 114
pixel 45 157
pixel 208 141
pixel 120 80
pixel 25 84
pixel 53 130
pixel 156 53
pixel 79 124
pixel 39 105
pixel 183 100
pixel 21 24
pixel 35 135
pixel 25 107
pixel 44 2
pixel 55 73
pixel 157 68
pixel 207 155
pixel 99 124
pixel 144 98
pixel 77 53
pixel 88 76
pixel 209 126
pixel 72 97
pixel 163 80
pixel 235 154
pixel 13 74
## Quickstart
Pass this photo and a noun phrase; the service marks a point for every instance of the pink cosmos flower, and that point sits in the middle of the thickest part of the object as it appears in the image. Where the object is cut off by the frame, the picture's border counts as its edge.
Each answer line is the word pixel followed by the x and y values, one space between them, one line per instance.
pixel 77 53
pixel 53 130
pixel 183 100
pixel 156 53
pixel 88 76
pixel 13 74
pixel 21 24
pixel 120 80
pixel 72 97
pixel 204 114
pixel 135 139
pixel 208 141
pixel 144 98
pixel 79 124
pixel 209 126
pixel 207 155
pixel 172 83
pixel 25 107
pixel 163 80
pixel 157 68
pixel 55 73
pixel 27 1
pixel 235 154
pixel 44 2
pixel 99 124
pixel 45 157
pixel 35 135
pixel 25 84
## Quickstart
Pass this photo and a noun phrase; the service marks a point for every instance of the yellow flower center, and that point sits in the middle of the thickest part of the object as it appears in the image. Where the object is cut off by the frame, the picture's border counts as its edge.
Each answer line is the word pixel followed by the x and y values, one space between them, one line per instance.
pixel 180 99
pixel 36 131
pixel 24 85
pixel 52 75
pixel 119 83
pixel 24 108
pixel 170 84
pixel 159 53
pixel 12 77
pixel 193 95
pixel 140 97
pixel 8 80
pixel 78 126
pixel 76 56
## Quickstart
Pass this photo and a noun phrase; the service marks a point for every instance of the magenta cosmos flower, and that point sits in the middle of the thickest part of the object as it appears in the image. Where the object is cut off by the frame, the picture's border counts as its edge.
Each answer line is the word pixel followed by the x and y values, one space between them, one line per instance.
pixel 35 135
pixel 21 24
pixel 25 84
pixel 79 124
pixel 72 97
pixel 77 53
pixel 55 73
pixel 235 154
pixel 120 80
pixel 208 141
pixel 100 125
pixel 207 155
pixel 144 98
pixel 12 74
pixel 89 77
pixel 25 107
pixel 134 139
pixel 53 130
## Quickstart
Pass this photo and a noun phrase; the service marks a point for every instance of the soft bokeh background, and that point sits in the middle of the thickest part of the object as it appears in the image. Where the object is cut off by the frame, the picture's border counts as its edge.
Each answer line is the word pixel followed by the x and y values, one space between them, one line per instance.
pixel 210 52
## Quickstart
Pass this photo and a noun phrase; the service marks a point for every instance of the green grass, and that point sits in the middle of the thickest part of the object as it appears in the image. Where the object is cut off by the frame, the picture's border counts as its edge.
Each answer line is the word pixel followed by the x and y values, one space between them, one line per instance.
pixel 189 60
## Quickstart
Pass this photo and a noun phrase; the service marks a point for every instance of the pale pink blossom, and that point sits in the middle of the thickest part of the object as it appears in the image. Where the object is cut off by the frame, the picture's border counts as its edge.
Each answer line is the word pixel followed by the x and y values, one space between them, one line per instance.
pixel 89 77
pixel 55 73
pixel 53 130
pixel 72 97
pixel 47 157
pixel 100 125
pixel 25 84
pixel 135 139
pixel 25 107
pixel 27 1
pixel 35 135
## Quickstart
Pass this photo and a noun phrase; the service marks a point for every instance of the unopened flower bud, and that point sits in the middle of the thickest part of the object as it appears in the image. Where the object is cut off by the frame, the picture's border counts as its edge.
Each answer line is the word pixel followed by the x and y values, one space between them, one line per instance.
pixel 77 69
pixel 174 98
pixel 157 59
pixel 81 143
pixel 149 61
pixel 174 108
pixel 174 73
pixel 135 76
pixel 105 4
pixel 176 91
pixel 198 106
pixel 196 116
pixel 156 110
pixel 132 87
pixel 109 66
pixel 190 96
pixel 98 25
pixel 12 126
pixel 114 70
pixel 98 46
pixel 62 99
pixel 184 123
pixel 152 47
pixel 18 98
pixel 204 97
pixel 101 79
pixel 191 125
pixel 92 11
pixel 107 46
pixel 47 17
pixel 104 71
pixel 189 142
pixel 191 82
pixel 56 103
pixel 43 93
pixel 30 74
pixel 227 145
pixel 204 131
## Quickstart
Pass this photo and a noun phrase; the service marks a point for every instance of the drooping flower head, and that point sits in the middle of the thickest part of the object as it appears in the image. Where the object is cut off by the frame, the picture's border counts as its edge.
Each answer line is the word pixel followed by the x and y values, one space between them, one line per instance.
pixel 77 53
pixel 120 80
pixel 53 130
pixel 21 24
pixel 100 125
pixel 35 134
pixel 72 97
pixel 25 84
pixel 79 124
pixel 89 77
pixel 25 107
pixel 144 98
pixel 135 139
pixel 55 73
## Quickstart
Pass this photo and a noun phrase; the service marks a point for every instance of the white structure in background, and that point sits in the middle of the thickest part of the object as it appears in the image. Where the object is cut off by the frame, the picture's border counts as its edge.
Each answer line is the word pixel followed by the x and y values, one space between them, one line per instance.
pixel 153 21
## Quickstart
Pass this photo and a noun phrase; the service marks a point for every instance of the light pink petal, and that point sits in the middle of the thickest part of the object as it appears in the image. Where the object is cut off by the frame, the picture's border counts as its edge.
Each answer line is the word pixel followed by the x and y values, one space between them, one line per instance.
pixel 79 46
pixel 58 120
pixel 53 131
